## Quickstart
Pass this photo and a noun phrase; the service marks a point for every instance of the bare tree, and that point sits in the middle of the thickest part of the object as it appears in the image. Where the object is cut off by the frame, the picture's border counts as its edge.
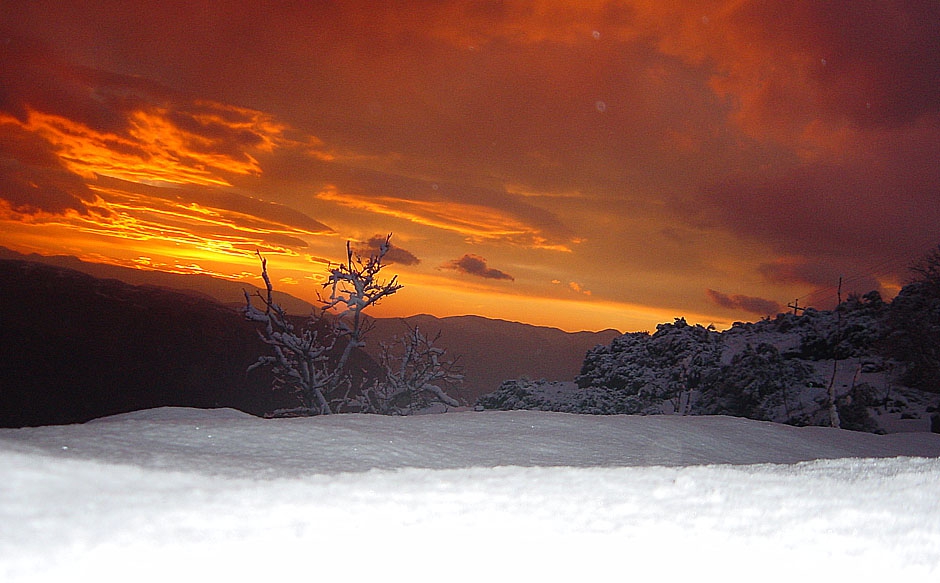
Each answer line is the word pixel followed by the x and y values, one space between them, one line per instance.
pixel 415 372
pixel 355 285
pixel 303 360
pixel 300 361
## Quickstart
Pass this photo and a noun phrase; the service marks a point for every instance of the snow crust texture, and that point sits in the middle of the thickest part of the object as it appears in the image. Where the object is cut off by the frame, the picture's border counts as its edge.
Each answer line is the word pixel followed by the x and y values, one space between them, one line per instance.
pixel 190 494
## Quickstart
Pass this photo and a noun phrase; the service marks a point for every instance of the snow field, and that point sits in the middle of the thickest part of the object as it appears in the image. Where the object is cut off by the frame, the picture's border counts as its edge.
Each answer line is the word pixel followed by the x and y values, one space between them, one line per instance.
pixel 467 497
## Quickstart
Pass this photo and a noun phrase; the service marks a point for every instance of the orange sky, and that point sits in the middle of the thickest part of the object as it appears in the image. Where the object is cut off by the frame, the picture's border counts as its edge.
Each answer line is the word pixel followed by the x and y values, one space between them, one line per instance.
pixel 576 164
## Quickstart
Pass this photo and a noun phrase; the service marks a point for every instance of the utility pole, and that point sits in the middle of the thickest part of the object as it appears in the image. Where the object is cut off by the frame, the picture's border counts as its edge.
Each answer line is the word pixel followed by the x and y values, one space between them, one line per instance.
pixel 796 306
pixel 833 411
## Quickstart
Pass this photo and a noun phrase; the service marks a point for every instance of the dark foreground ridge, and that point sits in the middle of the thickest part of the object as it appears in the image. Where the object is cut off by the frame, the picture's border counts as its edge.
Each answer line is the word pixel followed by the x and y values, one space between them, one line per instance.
pixel 73 348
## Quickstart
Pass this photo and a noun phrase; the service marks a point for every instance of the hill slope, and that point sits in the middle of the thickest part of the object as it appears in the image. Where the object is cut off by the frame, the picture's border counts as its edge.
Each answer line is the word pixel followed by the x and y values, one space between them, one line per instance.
pixel 490 351
pixel 74 347
pixel 773 370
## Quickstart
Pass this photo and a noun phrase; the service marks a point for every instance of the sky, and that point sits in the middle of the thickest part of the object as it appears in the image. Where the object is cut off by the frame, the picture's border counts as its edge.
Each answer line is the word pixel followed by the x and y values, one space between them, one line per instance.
pixel 583 165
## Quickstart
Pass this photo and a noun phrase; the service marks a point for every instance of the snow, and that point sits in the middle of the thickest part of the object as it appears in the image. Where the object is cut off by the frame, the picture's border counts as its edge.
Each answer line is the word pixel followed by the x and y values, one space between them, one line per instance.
pixel 218 495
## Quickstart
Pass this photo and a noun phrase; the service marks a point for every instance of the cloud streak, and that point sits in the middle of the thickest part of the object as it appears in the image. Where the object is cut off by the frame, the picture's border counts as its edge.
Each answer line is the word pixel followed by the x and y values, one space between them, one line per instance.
pixel 475 222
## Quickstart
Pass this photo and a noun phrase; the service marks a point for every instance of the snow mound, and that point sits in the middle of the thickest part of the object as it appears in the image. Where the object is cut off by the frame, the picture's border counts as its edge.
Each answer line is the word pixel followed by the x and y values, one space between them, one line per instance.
pixel 219 495
pixel 230 443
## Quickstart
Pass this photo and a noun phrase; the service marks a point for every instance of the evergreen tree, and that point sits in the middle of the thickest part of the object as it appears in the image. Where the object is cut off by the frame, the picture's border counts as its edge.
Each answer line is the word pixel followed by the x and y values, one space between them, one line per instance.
pixel 914 325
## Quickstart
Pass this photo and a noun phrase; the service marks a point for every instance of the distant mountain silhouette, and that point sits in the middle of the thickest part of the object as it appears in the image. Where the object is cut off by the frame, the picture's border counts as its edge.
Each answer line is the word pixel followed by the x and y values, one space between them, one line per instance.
pixel 490 351
pixel 74 347
pixel 230 293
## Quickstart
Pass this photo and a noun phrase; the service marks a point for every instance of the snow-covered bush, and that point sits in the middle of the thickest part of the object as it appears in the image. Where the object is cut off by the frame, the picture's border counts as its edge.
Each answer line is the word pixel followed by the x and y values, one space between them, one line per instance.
pixel 519 394
pixel 775 369
pixel 561 397
pixel 647 370
pixel 416 372
pixel 680 369
pixel 855 328
pixel 758 384
pixel 854 408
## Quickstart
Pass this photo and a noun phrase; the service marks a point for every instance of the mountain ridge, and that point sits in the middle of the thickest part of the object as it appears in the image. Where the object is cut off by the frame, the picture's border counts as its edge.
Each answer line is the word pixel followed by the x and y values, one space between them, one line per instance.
pixel 490 351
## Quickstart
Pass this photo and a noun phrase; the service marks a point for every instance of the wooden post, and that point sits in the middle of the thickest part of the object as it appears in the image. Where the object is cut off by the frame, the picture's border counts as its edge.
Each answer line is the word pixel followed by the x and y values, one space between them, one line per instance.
pixel 796 306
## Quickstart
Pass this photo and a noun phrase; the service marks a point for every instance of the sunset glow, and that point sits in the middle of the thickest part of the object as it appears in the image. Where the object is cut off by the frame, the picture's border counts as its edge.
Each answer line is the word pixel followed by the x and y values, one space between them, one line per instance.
pixel 584 165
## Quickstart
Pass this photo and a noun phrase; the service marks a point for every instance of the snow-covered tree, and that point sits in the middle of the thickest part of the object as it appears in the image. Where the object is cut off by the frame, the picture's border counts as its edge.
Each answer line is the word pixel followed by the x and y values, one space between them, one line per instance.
pixel 416 372
pixel 355 285
pixel 303 359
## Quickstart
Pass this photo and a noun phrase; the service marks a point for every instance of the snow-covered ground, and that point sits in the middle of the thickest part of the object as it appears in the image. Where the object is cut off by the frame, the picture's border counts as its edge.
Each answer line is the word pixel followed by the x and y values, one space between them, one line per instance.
pixel 196 495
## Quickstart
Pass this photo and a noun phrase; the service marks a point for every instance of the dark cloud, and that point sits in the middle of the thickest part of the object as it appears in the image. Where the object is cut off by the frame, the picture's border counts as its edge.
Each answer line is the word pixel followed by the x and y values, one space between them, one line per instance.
pixel 269 212
pixel 26 148
pixel 35 193
pixel 272 243
pixel 213 134
pixel 34 78
pixel 412 83
pixel 753 305
pixel 814 273
pixel 476 265
pixel 395 253
pixel 826 279
pixel 875 201
pixel 475 211
pixel 32 179
pixel 874 62
pixel 139 120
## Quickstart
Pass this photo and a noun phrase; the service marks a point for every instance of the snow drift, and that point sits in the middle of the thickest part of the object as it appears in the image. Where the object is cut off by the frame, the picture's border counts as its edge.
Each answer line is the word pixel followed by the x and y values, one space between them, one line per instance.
pixel 179 493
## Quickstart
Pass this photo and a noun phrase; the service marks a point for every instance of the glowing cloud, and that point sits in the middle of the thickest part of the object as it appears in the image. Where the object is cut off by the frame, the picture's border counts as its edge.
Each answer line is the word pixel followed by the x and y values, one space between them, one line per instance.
pixel 155 150
pixel 226 223
pixel 578 288
pixel 476 222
